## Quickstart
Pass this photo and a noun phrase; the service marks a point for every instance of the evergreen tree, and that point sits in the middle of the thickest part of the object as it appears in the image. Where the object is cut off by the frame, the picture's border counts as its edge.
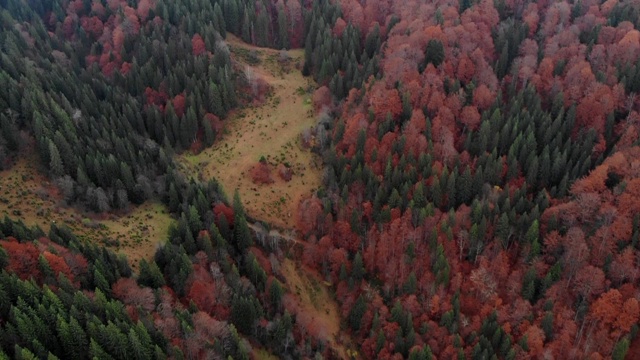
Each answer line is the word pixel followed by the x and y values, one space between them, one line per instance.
pixel 283 33
pixel 433 54
pixel 275 294
pixel 241 231
pixel 55 161
pixel 620 350
pixel 355 315
pixel 358 270
pixel 150 275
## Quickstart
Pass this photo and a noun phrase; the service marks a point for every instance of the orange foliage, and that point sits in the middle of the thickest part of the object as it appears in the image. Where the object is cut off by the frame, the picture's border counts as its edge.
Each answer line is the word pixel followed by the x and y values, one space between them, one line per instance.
pixel 384 101
pixel 593 183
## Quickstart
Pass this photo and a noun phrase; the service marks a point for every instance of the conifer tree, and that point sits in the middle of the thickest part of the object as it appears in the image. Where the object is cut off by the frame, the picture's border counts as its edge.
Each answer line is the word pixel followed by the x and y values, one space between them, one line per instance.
pixel 241 230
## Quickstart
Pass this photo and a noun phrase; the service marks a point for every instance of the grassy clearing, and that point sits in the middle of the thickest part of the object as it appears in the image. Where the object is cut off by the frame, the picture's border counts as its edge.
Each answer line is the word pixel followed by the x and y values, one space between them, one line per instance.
pixel 271 130
pixel 28 195
pixel 262 354
pixel 317 308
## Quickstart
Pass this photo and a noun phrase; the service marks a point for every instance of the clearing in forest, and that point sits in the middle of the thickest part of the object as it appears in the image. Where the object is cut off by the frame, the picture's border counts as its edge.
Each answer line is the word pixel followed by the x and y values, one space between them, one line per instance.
pixel 317 311
pixel 28 195
pixel 270 131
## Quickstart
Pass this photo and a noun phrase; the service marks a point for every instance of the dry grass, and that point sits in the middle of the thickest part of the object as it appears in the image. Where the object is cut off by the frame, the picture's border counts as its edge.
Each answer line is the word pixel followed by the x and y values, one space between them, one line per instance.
pixel 271 130
pixel 28 195
pixel 262 354
pixel 317 304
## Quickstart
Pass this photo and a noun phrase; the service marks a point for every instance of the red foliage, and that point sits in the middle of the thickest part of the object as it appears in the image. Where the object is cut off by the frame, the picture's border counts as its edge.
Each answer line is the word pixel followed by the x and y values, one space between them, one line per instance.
pixel 344 237
pixel 114 4
pixel 109 68
pixel 77 263
pixel 97 9
pixel 124 69
pixel 385 102
pixel 23 258
pixel 130 22
pixel 339 27
pixel 203 295
pixel 143 8
pixel 309 214
pixel 470 117
pixel 593 224
pixel 155 97
pixel 589 282
pixel 216 123
pixel 623 267
pixel 466 69
pixel 69 25
pixel 222 209
pixel 198 45
pixel 262 259
pixel 178 103
pixel 482 97
pixel 75 6
pixel 535 340
pixel 58 265
pixel 628 201
pixel 128 291
pixel 322 99
pixel 118 38
pixel 261 173
pixel 615 314
pixel 296 23
pixel 92 26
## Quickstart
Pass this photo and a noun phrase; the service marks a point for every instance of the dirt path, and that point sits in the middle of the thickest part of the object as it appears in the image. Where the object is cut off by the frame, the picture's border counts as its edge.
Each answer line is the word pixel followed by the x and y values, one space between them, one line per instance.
pixel 270 130
pixel 28 195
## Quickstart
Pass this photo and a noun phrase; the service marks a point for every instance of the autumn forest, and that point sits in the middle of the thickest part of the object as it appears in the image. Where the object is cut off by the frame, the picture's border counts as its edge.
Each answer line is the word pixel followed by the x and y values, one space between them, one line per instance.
pixel 477 191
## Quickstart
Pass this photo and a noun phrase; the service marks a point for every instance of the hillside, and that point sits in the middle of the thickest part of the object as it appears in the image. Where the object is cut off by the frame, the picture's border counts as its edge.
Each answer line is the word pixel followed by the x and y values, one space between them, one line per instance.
pixel 319 179
pixel 271 129
pixel 32 198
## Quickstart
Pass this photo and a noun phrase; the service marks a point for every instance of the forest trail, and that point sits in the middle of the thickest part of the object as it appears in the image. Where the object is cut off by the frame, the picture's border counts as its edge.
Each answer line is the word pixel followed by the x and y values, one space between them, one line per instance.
pixel 270 130
pixel 27 193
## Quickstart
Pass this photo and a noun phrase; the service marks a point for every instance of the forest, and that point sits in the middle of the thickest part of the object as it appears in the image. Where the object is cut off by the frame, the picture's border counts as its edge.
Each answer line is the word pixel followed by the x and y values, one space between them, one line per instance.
pixel 479 199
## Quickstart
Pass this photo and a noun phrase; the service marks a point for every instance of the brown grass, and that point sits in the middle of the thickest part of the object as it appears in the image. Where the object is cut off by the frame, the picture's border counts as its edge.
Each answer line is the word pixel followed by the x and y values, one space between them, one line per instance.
pixel 28 195
pixel 271 130
pixel 317 304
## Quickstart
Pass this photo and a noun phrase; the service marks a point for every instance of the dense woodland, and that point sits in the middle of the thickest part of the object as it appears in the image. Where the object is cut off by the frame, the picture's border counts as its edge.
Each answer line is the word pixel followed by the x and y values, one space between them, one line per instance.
pixel 480 194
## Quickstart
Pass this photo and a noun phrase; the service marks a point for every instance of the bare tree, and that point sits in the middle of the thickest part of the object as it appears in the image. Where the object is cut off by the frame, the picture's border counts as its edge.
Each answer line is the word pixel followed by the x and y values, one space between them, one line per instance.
pixel 65 184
